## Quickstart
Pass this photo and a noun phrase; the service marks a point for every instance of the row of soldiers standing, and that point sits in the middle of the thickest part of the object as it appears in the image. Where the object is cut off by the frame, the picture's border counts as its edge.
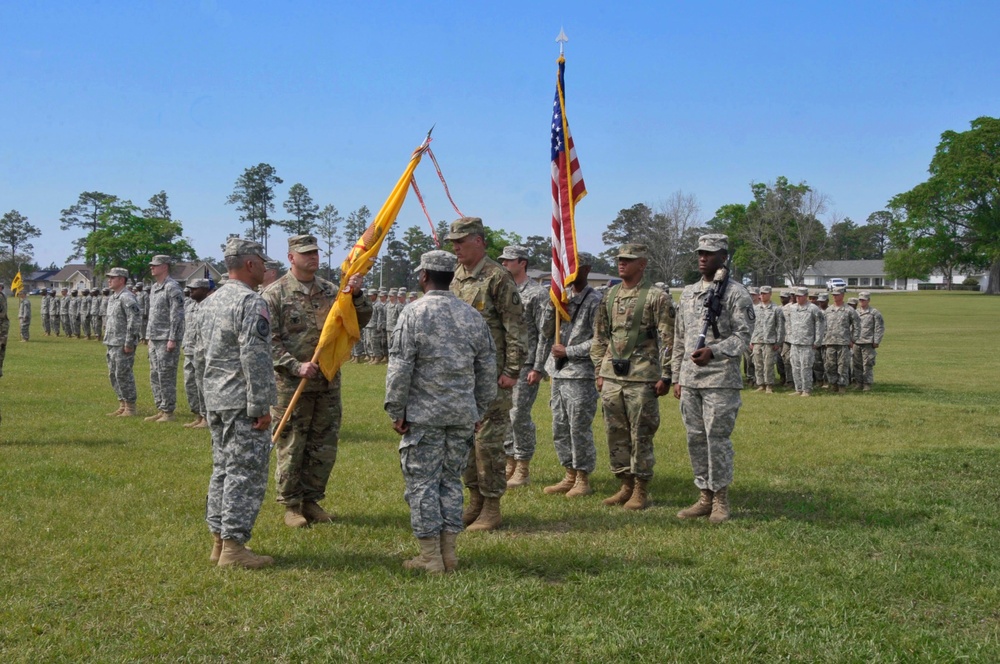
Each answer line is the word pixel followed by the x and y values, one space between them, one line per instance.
pixel 83 313
pixel 386 304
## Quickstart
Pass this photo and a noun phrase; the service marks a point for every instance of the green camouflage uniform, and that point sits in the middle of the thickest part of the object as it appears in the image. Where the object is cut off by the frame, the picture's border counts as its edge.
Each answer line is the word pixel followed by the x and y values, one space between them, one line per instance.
pixel 631 409
pixel 46 309
pixel 804 331
pixel 441 380
pixel 871 329
pixel 74 315
pixel 710 395
pixel 122 330
pixel 307 448
pixel 842 328
pixel 768 332
pixel 165 323
pixel 520 440
pixel 24 318
pixel 192 373
pixel 64 315
pixel 491 291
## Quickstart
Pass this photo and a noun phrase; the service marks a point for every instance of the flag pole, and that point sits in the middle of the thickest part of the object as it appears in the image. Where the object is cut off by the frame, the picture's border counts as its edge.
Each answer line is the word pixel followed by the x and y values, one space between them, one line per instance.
pixel 561 39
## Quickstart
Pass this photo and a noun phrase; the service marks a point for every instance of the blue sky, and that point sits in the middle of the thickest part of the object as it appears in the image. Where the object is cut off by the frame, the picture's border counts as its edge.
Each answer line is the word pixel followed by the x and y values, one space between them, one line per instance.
pixel 133 97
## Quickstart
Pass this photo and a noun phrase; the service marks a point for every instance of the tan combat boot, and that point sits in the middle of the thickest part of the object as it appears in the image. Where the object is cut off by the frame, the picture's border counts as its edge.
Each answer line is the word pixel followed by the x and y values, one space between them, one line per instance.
pixel 201 424
pixel 581 486
pixel 129 410
pixel 769 389
pixel 236 555
pixel 867 387
pixel 720 506
pixel 806 394
pixel 624 493
pixel 167 417
pixel 760 388
pixel 429 559
pixel 489 518
pixel 315 513
pixel 511 465
pixel 190 425
pixel 121 409
pixel 154 418
pixel 294 518
pixel 521 476
pixel 448 554
pixel 701 508
pixel 475 506
pixel 564 485
pixel 640 496
pixel 216 547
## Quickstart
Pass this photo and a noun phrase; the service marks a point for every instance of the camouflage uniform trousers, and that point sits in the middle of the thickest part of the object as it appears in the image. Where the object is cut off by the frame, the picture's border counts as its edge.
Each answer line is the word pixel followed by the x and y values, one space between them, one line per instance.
pixel 66 326
pixel 74 322
pixel 749 369
pixel 487 467
pixel 802 357
pixel 574 404
pixel 521 440
pixel 358 349
pixel 819 370
pixel 379 343
pixel 192 386
pixel 56 321
pixel 121 374
pixel 709 415
pixel 864 364
pixel 786 361
pixel 142 328
pixel 85 325
pixel 432 460
pixel 307 448
pixel 837 360
pixel 240 456
pixel 98 326
pixel 163 375
pixel 631 418
pixel 764 357
pixel 25 330
pixel 369 337
pixel 47 323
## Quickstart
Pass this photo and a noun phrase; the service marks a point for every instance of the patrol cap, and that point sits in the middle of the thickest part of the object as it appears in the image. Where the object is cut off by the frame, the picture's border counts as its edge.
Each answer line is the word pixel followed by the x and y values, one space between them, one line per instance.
pixel 73 292
pixel 823 297
pixel 864 295
pixel 198 283
pixel 754 290
pixel 840 290
pixel 765 289
pixel 65 289
pixel 160 259
pixel 401 293
pixel 437 260
pixel 138 286
pixel 272 265
pixel 107 291
pixel 713 242
pixel 372 291
pixel 383 291
pixel 801 290
pixel 785 293
pixel 466 226
pixel 632 250
pixel 513 252
pixel 302 244
pixel 86 291
pixel 237 246
pixel 392 291
pixel 852 300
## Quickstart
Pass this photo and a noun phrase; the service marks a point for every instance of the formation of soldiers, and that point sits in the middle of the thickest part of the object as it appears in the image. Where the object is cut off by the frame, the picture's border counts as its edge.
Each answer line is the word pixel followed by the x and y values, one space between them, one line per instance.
pixel 387 304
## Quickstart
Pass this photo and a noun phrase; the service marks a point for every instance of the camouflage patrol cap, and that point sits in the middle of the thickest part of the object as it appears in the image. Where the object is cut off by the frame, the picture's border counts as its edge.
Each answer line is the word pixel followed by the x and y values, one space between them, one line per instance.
pixel 765 289
pixel 632 251
pixel 198 283
pixel 237 246
pixel 302 244
pixel 840 290
pixel 713 242
pixel 392 291
pixel 86 291
pixel 437 260
pixel 864 295
pixel 160 259
pixel 464 226
pixel 272 265
pixel 785 293
pixel 401 293
pixel 372 291
pixel 64 289
pixel 73 292
pixel 513 252
pixel 383 291
pixel 852 300
pixel 138 286
pixel 823 297
pixel 754 290
pixel 107 291
pixel 801 290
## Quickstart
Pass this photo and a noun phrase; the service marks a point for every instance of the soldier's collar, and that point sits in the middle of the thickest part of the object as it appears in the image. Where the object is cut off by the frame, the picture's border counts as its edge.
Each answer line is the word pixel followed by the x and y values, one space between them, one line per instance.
pixel 474 272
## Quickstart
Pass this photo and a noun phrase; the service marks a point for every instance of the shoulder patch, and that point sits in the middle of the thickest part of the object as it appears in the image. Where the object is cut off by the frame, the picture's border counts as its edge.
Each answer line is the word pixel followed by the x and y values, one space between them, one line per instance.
pixel 750 313
pixel 515 298
pixel 263 327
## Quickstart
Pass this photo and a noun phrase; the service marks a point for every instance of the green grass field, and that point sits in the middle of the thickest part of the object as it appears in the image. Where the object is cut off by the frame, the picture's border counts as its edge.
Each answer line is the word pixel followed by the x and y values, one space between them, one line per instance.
pixel 865 529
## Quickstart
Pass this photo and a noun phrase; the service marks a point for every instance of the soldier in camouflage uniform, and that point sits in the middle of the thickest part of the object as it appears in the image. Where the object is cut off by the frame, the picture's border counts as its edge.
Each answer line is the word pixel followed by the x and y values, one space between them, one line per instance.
pixel 307 449
pixel 842 329
pixel 102 313
pixel 85 315
pixel 67 327
pixel 819 368
pixel 491 291
pixel 193 373
pixel 379 316
pixel 631 354
pixel 24 314
pixel 871 330
pixel 235 350
pixel 768 337
pixel 74 314
pixel 785 367
pixel 439 384
pixel 574 396
pixel 44 310
pixel 142 297
pixel 368 331
pixel 392 310
pixel 520 441
pixel 708 379
pixel 121 336
pixel 164 332
pixel 748 360
pixel 804 331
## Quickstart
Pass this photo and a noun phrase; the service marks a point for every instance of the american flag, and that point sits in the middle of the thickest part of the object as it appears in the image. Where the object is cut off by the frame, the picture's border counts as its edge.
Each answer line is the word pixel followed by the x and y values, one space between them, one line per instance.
pixel 567 190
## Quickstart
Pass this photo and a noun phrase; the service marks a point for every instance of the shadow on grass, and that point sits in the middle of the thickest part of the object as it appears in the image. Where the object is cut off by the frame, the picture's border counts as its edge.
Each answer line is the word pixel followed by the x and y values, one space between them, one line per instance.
pixel 63 442
pixel 820 507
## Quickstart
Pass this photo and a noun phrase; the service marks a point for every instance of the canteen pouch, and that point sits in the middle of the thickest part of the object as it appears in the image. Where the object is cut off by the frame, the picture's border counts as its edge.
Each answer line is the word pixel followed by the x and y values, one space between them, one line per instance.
pixel 621 367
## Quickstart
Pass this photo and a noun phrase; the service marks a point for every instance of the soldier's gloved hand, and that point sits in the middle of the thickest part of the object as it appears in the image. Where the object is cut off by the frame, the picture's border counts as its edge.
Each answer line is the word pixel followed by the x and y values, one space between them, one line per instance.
pixel 308 370
pixel 702 356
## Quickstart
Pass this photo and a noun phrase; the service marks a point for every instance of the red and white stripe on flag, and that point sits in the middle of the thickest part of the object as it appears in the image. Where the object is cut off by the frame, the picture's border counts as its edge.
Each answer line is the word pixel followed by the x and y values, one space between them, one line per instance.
pixel 567 190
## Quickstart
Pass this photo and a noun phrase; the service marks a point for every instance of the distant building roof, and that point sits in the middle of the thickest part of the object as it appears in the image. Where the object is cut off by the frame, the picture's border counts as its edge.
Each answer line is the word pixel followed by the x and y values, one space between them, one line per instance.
pixel 71 269
pixel 42 275
pixel 844 269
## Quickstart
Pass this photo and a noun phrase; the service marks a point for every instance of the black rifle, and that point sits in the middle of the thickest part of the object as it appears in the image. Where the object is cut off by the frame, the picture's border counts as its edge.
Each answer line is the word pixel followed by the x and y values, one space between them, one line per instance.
pixel 713 307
